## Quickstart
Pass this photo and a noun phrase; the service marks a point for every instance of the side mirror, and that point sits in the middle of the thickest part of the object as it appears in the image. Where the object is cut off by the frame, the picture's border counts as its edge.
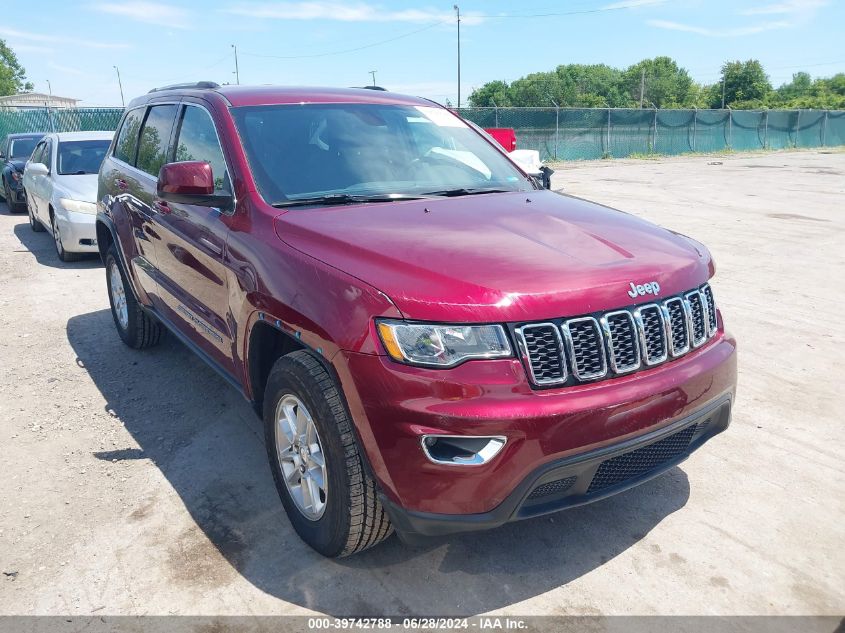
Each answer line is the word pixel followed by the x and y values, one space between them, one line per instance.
pixel 37 169
pixel 190 182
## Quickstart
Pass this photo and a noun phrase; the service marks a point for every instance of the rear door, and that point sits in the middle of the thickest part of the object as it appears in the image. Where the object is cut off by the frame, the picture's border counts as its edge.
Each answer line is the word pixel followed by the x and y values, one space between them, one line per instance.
pixel 129 181
pixel 192 240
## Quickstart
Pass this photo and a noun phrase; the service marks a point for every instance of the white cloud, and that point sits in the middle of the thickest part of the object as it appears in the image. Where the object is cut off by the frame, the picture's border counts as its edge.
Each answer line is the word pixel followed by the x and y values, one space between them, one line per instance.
pixel 788 7
pixel 630 4
pixel 40 37
pixel 31 48
pixel 68 70
pixel 148 12
pixel 727 32
pixel 359 12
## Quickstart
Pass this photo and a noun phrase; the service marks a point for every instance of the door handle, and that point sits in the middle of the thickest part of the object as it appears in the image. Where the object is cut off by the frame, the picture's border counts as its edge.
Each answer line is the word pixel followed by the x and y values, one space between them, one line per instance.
pixel 214 248
pixel 161 206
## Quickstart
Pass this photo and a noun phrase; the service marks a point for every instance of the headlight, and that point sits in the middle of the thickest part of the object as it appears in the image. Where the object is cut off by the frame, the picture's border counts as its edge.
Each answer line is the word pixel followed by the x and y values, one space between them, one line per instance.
pixel 78 205
pixel 16 175
pixel 442 345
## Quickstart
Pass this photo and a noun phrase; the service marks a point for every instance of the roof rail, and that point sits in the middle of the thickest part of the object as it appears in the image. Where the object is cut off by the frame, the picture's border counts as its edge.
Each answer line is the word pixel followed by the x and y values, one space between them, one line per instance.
pixel 197 85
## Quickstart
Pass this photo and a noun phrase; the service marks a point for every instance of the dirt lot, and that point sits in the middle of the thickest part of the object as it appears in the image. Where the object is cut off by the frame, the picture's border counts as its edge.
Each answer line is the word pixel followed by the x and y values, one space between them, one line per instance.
pixel 137 483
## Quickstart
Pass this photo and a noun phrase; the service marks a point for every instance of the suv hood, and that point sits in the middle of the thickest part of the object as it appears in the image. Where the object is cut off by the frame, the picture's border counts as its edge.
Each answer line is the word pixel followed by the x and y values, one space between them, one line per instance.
pixel 498 257
pixel 17 163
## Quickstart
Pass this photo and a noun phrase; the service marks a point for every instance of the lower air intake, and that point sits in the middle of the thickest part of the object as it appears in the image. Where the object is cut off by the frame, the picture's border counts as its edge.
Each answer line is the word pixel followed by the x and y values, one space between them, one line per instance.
pixel 642 460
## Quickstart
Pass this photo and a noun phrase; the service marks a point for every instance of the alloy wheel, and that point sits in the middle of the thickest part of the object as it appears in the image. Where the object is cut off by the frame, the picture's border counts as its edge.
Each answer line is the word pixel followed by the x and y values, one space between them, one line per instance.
pixel 301 457
pixel 57 236
pixel 118 296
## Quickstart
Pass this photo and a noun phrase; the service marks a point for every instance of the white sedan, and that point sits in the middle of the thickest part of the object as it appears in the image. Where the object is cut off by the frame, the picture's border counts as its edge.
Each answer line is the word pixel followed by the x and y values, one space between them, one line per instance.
pixel 60 181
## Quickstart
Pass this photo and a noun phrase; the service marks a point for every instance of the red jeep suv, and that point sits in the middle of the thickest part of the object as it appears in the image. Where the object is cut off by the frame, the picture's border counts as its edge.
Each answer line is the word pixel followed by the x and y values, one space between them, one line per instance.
pixel 435 343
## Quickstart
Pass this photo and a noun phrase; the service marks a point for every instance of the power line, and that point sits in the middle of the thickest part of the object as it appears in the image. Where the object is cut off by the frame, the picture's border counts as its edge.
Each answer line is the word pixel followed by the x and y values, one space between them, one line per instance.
pixel 349 50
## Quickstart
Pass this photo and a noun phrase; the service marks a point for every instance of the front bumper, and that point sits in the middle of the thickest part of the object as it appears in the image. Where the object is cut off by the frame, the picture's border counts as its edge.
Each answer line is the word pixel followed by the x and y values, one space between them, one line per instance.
pixel 18 195
pixel 78 230
pixel 394 406
pixel 577 480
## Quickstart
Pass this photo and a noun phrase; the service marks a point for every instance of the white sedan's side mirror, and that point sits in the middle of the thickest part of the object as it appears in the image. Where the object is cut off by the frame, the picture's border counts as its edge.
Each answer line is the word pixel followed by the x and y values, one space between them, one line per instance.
pixel 37 169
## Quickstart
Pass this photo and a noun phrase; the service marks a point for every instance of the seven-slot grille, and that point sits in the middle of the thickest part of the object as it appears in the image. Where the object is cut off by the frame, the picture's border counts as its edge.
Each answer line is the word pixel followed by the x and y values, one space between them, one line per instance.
pixel 546 362
pixel 617 342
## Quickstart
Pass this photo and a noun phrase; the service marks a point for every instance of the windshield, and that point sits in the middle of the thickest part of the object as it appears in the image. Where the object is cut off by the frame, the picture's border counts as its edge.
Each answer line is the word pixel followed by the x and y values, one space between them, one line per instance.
pixel 81 157
pixel 22 147
pixel 317 150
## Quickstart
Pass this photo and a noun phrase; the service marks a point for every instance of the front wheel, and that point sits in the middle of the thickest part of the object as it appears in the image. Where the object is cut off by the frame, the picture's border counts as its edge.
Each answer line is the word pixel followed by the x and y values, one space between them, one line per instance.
pixel 316 461
pixel 64 255
pixel 136 328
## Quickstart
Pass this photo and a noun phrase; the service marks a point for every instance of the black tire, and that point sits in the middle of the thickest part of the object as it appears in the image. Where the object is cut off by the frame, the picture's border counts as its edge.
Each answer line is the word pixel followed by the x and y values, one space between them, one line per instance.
pixel 34 223
pixel 353 519
pixel 141 329
pixel 64 255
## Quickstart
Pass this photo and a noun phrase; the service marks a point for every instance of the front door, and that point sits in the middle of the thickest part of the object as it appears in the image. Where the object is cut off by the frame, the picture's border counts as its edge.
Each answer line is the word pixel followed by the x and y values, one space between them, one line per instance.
pixel 191 244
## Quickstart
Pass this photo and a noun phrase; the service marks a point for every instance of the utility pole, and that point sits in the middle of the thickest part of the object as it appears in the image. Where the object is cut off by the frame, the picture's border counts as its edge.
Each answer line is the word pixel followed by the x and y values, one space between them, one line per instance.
pixel 373 73
pixel 458 13
pixel 237 71
pixel 49 113
pixel 120 83
pixel 557 123
pixel 642 88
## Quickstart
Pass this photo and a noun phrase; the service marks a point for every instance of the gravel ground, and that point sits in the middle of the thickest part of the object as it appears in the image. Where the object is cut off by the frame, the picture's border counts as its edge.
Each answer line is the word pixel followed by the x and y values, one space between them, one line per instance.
pixel 137 483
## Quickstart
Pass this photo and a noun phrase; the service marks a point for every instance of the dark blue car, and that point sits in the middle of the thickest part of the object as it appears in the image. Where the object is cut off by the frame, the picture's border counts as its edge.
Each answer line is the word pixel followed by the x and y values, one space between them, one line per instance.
pixel 14 152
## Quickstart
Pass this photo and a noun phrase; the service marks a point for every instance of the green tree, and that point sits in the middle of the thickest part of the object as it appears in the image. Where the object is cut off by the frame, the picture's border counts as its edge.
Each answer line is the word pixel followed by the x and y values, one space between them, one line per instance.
pixel 746 85
pixel 663 83
pixel 490 94
pixel 12 74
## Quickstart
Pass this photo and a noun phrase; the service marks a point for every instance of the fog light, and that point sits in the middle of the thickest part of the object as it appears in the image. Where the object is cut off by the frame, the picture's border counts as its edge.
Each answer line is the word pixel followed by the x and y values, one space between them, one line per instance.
pixel 461 450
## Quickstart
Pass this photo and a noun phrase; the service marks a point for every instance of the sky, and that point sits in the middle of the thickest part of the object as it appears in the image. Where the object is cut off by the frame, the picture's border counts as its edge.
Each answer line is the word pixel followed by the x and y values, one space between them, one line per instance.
pixel 411 45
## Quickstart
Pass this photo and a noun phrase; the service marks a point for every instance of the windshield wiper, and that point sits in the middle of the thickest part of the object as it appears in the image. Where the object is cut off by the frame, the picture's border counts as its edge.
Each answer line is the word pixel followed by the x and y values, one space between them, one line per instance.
pixel 343 198
pixel 465 191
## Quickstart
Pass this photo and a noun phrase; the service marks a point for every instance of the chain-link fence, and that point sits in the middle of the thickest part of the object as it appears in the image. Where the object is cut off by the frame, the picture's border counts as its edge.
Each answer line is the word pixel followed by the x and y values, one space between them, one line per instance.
pixel 567 133
pixel 577 134
pixel 58 120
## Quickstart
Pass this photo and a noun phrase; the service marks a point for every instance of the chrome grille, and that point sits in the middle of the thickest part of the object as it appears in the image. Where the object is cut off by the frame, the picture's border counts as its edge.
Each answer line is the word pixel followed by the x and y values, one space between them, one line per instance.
pixel 620 332
pixel 697 317
pixel 707 293
pixel 616 342
pixel 653 334
pixel 678 325
pixel 542 349
pixel 584 343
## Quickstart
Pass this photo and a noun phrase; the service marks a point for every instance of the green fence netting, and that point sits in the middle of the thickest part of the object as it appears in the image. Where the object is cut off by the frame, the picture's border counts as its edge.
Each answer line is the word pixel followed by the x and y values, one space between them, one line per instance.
pixel 568 133
pixel 572 133
pixel 59 120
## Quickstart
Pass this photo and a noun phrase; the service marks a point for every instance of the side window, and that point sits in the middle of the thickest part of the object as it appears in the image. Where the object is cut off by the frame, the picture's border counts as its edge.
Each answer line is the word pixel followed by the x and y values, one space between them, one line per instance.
pixel 155 138
pixel 198 141
pixel 46 154
pixel 37 152
pixel 127 139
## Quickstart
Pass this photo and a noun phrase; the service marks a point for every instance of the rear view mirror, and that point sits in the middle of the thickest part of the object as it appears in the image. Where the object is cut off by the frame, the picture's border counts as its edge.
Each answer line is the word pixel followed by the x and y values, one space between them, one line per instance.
pixel 37 169
pixel 190 182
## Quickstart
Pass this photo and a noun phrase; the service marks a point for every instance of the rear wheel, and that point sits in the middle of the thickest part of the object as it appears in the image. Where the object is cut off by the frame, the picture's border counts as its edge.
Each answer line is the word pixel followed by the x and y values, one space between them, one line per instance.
pixel 64 255
pixel 316 461
pixel 136 328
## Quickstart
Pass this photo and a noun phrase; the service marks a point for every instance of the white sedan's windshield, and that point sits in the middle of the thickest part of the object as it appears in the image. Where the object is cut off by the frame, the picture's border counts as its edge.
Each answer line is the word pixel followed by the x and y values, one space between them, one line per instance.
pixel 311 150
